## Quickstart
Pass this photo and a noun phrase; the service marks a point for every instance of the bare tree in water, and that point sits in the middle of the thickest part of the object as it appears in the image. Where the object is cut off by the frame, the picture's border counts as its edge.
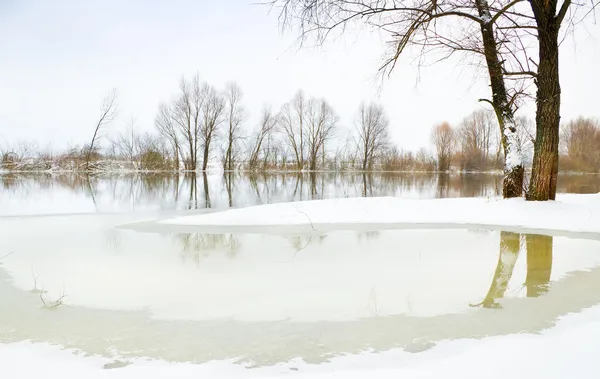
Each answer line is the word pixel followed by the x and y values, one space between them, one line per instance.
pixel 167 129
pixel 293 123
pixel 267 127
pixel 321 122
pixel 444 141
pixel 108 112
pixel 372 132
pixel 235 116
pixel 187 116
pixel 213 108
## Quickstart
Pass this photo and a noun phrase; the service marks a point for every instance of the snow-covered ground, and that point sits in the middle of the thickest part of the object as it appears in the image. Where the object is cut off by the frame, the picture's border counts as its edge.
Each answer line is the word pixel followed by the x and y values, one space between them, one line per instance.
pixel 571 213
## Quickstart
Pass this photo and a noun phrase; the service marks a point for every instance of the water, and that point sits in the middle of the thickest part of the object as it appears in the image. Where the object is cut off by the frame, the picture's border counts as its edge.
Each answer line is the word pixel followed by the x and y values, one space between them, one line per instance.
pixel 53 194
pixel 105 283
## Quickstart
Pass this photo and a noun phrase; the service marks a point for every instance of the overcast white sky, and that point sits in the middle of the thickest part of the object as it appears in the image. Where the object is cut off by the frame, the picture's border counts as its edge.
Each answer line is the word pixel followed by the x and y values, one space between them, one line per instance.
pixel 59 58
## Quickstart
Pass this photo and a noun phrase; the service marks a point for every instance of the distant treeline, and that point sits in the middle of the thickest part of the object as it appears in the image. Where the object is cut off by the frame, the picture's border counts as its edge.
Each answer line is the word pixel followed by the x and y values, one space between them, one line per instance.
pixel 201 124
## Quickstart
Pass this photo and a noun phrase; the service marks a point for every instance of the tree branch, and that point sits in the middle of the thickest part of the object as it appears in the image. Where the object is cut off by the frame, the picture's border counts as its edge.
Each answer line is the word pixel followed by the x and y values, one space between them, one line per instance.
pixel 503 10
pixel 563 11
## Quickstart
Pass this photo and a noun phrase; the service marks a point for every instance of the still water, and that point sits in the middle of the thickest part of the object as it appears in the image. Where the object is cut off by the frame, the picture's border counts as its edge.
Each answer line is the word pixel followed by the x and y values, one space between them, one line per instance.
pixel 59 194
pixel 105 283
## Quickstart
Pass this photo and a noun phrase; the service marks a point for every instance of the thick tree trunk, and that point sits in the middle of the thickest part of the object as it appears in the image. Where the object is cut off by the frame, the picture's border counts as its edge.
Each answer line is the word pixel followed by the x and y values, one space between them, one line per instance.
pixel 513 166
pixel 545 158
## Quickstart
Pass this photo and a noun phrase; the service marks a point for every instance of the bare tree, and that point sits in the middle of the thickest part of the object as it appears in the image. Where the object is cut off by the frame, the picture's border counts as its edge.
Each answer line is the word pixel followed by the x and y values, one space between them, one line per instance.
pixel 372 133
pixel 475 135
pixel 444 141
pixel 264 133
pixel 187 111
pixel 321 121
pixel 235 116
pixel 127 143
pixel 580 139
pixel 167 129
pixel 293 123
pixel 213 107
pixel 108 112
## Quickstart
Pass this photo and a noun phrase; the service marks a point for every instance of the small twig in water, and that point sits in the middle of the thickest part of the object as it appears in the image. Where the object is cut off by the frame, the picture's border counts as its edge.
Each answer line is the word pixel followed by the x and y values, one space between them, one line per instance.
pixel 297 251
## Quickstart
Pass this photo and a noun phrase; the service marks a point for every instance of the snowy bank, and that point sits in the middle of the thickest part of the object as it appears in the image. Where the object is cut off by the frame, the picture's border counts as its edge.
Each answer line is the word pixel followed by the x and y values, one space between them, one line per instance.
pixel 571 213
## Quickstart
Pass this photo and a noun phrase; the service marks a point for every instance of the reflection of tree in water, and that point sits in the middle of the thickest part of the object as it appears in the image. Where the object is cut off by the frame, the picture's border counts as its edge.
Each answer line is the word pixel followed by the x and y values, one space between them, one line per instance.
pixel 367 235
pixel 467 185
pixel 195 246
pixel 206 191
pixel 539 266
pixel 228 178
pixel 510 245
pixel 578 183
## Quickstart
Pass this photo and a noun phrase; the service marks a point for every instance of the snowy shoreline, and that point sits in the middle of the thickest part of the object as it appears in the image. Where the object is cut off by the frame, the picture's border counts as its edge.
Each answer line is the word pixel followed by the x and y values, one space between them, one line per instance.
pixel 569 213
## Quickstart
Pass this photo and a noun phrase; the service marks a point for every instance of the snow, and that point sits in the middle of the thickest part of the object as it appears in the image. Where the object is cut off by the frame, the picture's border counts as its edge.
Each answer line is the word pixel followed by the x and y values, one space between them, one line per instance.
pixel 513 153
pixel 570 213
pixel 568 350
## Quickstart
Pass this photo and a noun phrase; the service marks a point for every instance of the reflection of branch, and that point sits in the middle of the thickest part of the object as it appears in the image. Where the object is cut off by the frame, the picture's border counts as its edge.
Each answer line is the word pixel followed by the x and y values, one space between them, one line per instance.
pixel 297 251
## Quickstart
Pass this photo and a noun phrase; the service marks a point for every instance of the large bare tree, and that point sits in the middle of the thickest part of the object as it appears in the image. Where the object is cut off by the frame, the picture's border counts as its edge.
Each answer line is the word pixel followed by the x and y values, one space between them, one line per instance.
pixel 235 116
pixel 372 133
pixel 108 112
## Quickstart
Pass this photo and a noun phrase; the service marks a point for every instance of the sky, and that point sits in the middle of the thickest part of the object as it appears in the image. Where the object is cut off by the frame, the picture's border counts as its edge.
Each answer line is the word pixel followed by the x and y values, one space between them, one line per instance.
pixel 58 59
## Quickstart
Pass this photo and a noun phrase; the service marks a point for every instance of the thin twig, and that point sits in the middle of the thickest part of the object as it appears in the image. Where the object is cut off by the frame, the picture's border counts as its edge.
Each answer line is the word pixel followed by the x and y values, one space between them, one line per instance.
pixel 309 220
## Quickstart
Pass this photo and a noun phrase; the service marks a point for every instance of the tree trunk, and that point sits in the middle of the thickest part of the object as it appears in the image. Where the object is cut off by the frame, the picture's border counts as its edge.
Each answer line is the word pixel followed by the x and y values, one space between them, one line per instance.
pixel 205 156
pixel 513 165
pixel 545 157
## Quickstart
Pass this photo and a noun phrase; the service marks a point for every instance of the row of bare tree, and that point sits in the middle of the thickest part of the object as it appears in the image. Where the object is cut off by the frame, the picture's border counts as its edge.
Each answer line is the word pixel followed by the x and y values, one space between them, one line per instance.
pixel 302 135
pixel 580 146
pixel 475 144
